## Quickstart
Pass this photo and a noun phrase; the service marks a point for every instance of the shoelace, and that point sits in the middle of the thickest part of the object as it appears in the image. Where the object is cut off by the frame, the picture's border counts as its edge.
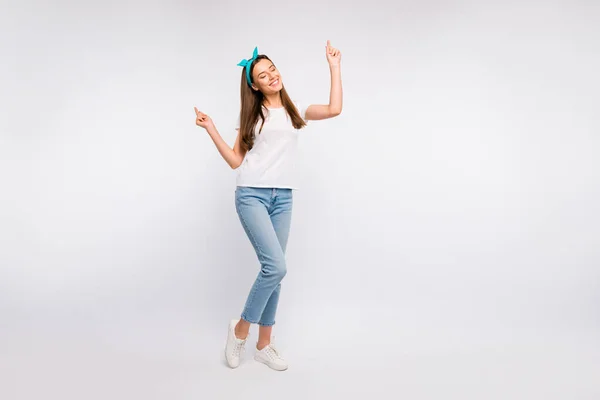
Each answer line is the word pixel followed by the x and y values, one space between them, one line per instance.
pixel 237 348
pixel 272 352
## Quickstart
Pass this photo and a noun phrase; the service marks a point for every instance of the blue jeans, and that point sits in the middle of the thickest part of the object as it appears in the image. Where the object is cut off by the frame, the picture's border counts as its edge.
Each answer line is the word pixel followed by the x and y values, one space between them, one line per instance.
pixel 265 214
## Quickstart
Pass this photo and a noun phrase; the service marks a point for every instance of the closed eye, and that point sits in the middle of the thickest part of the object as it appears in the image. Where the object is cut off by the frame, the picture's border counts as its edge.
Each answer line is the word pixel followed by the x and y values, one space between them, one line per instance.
pixel 262 75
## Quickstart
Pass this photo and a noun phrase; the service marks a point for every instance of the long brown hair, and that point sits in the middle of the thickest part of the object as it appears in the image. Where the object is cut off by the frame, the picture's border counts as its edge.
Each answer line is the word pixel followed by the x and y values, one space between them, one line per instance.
pixel 251 108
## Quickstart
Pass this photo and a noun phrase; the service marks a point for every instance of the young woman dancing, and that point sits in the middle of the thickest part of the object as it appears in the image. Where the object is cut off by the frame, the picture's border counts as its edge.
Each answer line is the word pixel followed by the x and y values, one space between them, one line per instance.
pixel 264 155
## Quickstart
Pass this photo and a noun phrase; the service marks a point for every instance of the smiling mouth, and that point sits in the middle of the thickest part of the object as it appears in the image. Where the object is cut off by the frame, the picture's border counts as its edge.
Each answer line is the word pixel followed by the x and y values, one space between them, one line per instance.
pixel 275 83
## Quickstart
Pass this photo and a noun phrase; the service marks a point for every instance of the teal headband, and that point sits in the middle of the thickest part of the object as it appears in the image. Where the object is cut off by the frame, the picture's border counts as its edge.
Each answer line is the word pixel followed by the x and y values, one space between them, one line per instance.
pixel 248 63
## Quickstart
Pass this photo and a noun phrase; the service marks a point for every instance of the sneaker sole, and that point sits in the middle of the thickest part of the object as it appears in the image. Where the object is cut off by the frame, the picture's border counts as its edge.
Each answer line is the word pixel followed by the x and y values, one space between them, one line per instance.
pixel 275 368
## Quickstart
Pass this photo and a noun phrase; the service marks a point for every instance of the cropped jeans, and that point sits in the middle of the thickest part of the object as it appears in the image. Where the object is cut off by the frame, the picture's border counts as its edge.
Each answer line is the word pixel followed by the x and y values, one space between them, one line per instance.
pixel 265 214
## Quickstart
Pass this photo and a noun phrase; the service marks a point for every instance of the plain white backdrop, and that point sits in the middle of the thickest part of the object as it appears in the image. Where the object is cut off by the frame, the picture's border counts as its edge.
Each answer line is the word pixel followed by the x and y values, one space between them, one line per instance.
pixel 445 241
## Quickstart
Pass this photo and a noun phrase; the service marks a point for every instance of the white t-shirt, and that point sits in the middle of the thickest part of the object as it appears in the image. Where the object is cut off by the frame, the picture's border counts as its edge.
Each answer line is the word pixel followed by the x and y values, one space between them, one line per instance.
pixel 272 160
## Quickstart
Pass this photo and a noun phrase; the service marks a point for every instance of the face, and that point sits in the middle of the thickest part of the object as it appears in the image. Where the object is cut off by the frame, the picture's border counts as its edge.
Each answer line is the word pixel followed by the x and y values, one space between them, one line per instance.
pixel 266 77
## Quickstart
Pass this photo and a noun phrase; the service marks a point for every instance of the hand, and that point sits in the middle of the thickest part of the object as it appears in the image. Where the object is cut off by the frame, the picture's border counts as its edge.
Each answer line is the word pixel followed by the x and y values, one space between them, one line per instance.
pixel 203 120
pixel 334 56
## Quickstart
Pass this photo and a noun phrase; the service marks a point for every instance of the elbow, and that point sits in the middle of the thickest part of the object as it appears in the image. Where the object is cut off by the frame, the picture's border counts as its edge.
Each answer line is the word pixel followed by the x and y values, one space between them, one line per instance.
pixel 235 164
pixel 335 109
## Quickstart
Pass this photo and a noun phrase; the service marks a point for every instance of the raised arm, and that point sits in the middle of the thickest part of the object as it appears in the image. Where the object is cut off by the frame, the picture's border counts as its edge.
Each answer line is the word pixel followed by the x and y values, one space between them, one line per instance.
pixel 334 108
pixel 233 156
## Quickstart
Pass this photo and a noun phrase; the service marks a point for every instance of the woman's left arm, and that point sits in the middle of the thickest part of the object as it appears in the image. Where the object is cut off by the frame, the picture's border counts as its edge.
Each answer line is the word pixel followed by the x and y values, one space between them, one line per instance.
pixel 334 108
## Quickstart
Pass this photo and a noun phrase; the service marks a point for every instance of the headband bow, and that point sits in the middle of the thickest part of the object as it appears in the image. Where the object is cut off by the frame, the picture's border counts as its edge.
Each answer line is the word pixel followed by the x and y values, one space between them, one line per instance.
pixel 248 63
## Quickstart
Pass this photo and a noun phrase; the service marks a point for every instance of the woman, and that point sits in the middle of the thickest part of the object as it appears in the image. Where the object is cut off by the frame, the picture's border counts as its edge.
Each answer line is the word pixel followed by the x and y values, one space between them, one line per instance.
pixel 264 154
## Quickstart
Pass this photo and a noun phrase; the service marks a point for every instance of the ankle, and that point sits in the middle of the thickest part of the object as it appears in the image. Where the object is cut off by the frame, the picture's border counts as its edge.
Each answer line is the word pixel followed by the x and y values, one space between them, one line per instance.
pixel 261 345
pixel 240 334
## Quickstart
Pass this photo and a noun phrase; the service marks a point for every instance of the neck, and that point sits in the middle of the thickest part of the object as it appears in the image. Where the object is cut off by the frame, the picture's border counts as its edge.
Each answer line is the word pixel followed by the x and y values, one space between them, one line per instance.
pixel 273 101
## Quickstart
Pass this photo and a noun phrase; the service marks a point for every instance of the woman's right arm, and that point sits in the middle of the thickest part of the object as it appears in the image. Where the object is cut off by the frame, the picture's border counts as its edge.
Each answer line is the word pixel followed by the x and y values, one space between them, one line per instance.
pixel 233 157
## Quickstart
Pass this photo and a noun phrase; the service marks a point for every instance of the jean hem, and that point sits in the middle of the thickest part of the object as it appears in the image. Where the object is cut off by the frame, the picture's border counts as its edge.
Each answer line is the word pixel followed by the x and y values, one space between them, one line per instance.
pixel 249 320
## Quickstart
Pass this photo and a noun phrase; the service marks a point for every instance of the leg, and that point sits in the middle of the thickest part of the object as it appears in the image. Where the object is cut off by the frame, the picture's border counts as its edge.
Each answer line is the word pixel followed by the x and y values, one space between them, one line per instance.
pixel 242 328
pixel 252 205
pixel 264 336
pixel 281 216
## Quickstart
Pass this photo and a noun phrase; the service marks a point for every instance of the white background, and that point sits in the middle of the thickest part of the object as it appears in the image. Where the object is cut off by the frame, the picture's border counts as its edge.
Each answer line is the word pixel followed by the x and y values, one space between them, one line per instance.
pixel 445 240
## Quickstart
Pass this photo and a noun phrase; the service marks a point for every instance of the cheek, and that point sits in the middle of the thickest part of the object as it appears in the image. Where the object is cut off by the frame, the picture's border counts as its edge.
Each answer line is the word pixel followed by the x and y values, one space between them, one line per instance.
pixel 266 86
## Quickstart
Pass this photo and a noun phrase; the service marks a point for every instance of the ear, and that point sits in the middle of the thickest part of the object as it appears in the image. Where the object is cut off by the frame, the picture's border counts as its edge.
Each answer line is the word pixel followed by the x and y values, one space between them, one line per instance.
pixel 254 88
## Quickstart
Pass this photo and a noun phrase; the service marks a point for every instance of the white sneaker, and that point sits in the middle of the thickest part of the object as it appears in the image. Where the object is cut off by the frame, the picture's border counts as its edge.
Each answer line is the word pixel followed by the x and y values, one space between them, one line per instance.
pixel 234 348
pixel 270 356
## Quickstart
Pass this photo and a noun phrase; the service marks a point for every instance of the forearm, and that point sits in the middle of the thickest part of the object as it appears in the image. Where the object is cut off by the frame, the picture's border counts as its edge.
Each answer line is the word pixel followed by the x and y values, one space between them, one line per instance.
pixel 229 155
pixel 335 95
